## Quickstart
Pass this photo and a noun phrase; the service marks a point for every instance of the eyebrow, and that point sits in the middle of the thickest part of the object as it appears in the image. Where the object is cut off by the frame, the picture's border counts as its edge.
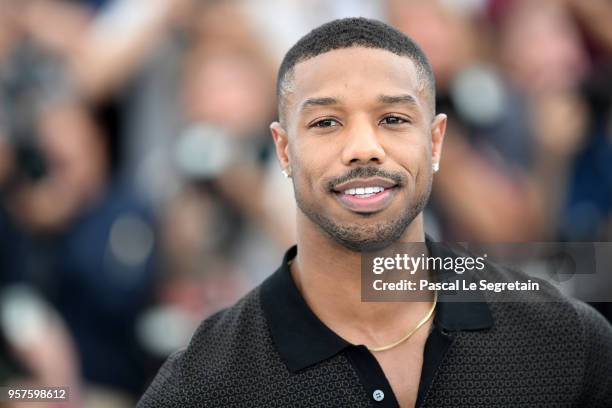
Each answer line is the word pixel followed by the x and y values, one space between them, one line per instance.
pixel 318 102
pixel 397 99
pixel 386 99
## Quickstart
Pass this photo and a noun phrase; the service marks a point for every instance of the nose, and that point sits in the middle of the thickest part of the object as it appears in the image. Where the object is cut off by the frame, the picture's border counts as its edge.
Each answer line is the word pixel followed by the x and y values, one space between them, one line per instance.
pixel 362 146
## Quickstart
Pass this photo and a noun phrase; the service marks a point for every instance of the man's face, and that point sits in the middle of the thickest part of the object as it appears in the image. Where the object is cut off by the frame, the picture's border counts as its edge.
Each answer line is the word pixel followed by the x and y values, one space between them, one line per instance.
pixel 359 142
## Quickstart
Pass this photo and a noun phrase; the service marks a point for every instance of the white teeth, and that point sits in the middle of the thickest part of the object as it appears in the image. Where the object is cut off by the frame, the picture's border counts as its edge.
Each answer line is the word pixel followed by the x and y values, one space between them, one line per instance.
pixel 364 190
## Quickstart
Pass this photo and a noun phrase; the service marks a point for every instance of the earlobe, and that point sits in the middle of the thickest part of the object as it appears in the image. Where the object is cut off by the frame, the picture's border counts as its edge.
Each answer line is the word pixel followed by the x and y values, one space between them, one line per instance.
pixel 281 143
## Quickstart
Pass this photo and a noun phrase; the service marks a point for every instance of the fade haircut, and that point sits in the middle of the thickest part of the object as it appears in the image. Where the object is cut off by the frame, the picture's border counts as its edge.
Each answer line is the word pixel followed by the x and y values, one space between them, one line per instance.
pixel 351 32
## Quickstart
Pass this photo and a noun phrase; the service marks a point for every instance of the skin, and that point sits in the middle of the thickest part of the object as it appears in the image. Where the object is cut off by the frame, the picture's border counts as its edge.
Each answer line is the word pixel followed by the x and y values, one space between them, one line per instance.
pixel 357 128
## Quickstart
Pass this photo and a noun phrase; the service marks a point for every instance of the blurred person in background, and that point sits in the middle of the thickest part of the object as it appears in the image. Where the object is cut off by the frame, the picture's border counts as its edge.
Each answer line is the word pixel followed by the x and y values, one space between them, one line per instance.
pixel 77 234
pixel 556 54
pixel 228 215
pixel 87 243
pixel 541 53
pixel 110 56
pixel 190 133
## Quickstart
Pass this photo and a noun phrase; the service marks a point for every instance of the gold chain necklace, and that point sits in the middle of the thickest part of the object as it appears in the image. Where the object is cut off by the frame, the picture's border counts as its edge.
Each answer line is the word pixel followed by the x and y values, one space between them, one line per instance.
pixel 411 332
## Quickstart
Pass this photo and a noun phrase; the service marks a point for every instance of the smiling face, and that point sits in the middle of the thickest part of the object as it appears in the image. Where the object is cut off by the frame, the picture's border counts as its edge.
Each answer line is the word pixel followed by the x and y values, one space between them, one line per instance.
pixel 359 139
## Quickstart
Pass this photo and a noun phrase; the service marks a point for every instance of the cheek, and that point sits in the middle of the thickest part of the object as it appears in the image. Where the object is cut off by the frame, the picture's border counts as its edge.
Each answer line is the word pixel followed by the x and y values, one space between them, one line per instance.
pixel 307 177
pixel 425 163
pixel 309 163
pixel 413 157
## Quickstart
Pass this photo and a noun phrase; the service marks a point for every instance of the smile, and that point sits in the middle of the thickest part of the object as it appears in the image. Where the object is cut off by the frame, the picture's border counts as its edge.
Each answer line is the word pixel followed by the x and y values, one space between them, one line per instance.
pixel 364 192
pixel 366 196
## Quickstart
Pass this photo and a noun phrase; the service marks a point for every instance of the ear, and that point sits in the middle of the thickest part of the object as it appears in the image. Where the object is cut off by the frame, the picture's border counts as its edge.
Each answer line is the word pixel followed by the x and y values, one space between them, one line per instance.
pixel 281 142
pixel 438 130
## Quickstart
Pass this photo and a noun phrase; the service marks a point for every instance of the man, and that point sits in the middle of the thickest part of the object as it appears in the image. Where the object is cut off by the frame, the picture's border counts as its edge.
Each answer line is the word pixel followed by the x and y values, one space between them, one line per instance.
pixel 359 137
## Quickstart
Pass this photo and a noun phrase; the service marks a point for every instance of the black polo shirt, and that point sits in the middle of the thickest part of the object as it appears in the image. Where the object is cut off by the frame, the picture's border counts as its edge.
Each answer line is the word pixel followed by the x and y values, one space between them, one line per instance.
pixel 270 350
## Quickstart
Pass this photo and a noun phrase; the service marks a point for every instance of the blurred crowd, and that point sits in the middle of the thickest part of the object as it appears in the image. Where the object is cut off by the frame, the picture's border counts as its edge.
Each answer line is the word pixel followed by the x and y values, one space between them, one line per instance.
pixel 139 191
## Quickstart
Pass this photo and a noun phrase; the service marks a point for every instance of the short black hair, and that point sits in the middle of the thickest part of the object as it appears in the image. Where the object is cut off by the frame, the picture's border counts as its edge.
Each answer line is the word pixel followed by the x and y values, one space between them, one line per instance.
pixel 350 32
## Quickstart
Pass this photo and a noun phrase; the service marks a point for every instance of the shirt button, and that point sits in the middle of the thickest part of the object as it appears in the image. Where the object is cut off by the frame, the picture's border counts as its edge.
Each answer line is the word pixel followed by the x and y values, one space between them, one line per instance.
pixel 378 395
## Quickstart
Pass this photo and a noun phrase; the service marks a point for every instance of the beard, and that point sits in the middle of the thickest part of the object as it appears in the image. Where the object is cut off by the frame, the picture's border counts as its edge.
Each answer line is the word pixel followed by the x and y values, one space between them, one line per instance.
pixel 365 236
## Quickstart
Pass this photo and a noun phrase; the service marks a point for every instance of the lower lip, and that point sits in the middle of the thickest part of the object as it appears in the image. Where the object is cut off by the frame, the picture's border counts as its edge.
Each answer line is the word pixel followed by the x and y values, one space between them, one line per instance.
pixel 370 204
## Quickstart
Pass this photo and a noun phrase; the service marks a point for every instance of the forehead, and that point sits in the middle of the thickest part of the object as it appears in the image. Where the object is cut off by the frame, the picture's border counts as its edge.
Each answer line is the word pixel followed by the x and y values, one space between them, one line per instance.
pixel 356 72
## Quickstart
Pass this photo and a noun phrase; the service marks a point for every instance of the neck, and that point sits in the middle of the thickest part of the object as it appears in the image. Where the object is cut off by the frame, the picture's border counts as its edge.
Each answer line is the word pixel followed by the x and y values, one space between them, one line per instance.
pixel 329 277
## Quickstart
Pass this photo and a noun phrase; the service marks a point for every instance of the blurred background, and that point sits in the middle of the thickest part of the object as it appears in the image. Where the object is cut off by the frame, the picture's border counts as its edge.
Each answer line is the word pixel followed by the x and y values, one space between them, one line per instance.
pixel 139 192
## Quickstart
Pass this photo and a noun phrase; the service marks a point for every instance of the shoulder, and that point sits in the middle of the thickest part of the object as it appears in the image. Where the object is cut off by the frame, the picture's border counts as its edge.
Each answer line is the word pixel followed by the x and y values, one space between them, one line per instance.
pixel 554 326
pixel 597 340
pixel 227 346
pixel 545 305
pixel 226 335
pixel 234 328
pixel 543 340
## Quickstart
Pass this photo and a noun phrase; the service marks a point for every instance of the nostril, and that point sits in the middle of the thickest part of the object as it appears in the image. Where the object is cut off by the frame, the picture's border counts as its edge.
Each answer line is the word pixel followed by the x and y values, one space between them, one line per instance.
pixel 375 160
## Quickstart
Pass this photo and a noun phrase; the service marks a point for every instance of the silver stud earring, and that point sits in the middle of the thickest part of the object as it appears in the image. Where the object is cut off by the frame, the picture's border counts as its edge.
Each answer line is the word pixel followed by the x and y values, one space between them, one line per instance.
pixel 436 167
pixel 285 173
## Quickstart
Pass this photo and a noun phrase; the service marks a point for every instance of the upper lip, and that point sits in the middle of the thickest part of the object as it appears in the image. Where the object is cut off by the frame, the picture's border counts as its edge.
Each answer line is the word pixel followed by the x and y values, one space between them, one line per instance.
pixel 369 182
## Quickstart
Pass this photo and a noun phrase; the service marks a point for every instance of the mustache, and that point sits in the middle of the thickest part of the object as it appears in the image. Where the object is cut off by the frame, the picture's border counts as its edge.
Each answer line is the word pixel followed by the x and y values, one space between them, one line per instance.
pixel 365 172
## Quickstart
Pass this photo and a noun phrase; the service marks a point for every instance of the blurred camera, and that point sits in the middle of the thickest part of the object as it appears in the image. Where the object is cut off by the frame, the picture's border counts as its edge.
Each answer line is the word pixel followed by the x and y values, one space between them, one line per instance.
pixel 28 80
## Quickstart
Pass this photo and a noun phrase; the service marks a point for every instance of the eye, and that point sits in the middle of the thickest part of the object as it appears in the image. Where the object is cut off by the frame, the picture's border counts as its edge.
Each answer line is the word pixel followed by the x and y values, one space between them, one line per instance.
pixel 393 120
pixel 324 123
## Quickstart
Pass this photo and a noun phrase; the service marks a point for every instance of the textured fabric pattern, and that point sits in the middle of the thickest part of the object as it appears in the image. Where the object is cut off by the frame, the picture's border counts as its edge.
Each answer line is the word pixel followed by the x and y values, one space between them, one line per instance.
pixel 556 353
pixel 232 362
pixel 531 358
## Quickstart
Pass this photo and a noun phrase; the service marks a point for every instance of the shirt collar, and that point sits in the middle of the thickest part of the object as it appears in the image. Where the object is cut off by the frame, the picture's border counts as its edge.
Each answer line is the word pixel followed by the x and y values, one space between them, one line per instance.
pixel 303 340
